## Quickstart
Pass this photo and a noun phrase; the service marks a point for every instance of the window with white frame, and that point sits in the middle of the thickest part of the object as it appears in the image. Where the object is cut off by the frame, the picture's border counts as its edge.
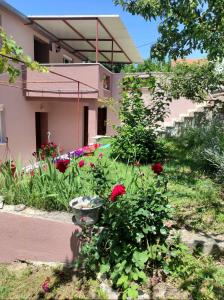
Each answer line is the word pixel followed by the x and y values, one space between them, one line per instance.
pixel 2 125
pixel 67 59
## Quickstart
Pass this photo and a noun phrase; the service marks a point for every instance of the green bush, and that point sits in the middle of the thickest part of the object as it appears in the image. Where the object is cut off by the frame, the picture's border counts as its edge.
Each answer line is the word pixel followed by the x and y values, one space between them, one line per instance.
pixel 137 144
pixel 136 138
pixel 132 242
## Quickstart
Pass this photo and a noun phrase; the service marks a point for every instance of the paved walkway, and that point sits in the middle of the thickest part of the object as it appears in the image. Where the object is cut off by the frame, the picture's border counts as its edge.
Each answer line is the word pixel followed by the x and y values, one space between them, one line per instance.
pixel 36 239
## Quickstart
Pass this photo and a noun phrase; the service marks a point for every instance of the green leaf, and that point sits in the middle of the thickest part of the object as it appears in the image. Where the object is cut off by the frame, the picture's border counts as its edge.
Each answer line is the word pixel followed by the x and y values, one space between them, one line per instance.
pixel 163 231
pixel 104 268
pixel 140 258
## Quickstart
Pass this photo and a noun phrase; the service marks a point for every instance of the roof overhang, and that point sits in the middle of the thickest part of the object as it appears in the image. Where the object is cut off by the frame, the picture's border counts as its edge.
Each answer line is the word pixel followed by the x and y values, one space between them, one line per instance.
pixel 95 38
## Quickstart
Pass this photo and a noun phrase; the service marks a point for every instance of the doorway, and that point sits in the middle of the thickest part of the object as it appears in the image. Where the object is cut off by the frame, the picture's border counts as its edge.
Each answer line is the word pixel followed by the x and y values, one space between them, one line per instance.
pixel 41 119
pixel 86 125
pixel 41 51
pixel 102 121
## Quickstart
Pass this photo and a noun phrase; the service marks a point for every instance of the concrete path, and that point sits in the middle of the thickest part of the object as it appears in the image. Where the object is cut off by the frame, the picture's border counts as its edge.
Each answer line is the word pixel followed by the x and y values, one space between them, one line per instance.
pixel 36 239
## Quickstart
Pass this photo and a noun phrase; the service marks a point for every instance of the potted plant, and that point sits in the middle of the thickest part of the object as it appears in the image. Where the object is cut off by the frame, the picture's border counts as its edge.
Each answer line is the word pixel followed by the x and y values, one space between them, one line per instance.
pixel 86 209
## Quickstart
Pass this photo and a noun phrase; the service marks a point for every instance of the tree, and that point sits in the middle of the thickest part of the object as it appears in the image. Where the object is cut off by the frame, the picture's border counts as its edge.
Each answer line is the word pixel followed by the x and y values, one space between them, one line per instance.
pixel 12 56
pixel 149 65
pixel 136 139
pixel 185 25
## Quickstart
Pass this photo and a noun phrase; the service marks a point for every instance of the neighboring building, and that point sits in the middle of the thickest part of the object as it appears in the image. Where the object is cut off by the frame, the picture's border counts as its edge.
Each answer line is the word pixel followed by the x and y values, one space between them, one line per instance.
pixel 63 101
pixel 188 61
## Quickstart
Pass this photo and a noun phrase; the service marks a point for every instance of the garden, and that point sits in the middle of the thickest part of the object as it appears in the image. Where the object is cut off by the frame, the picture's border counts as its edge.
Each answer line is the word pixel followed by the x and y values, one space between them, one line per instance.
pixel 145 188
pixel 134 193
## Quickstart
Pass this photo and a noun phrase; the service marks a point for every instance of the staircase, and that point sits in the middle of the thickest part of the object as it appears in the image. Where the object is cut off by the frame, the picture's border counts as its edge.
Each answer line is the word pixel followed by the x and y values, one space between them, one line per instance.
pixel 192 117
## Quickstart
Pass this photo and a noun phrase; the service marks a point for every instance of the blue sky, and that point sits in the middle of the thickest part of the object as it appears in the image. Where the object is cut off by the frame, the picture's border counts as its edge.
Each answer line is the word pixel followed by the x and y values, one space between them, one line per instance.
pixel 141 31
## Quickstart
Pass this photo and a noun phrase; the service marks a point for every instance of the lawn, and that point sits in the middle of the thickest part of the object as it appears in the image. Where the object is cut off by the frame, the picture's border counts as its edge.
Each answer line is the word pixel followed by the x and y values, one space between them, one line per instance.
pixel 197 199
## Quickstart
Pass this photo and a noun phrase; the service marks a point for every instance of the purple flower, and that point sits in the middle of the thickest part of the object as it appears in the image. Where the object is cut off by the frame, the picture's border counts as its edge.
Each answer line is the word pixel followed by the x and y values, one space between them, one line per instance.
pixel 79 152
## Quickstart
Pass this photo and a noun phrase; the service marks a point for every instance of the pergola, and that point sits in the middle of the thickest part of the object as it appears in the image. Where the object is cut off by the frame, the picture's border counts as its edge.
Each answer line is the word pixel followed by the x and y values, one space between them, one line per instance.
pixel 100 39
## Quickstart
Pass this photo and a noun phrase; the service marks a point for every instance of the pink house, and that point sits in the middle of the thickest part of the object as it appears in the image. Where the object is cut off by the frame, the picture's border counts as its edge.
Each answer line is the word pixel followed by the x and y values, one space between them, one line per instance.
pixel 64 101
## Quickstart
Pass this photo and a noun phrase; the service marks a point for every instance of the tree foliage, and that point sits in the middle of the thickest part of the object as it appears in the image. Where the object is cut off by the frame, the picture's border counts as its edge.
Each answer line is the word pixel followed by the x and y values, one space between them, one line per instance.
pixel 149 65
pixel 185 25
pixel 12 56
pixel 195 81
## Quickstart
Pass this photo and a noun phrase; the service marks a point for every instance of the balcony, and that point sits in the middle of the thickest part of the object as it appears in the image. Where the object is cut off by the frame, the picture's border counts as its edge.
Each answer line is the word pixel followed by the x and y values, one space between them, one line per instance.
pixel 69 81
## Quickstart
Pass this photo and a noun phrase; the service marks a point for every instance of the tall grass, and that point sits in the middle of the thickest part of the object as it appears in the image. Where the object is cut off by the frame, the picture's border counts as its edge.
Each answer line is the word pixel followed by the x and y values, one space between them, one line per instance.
pixel 193 146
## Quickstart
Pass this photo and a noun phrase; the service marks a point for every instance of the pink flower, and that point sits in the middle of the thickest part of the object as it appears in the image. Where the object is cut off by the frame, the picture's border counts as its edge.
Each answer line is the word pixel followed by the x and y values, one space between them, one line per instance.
pixel 81 163
pixel 118 190
pixel 83 219
pixel 100 155
pixel 45 285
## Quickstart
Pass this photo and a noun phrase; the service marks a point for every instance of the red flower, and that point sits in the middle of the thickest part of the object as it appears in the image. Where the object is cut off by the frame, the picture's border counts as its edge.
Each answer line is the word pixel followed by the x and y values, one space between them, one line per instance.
pixel 96 146
pixel 45 285
pixel 92 165
pixel 32 173
pixel 100 155
pixel 81 163
pixel 157 168
pixel 62 165
pixel 118 190
pixel 54 154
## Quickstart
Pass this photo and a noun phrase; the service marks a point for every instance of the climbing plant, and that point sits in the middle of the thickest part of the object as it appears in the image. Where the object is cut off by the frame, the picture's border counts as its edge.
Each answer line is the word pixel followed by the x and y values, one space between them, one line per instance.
pixel 12 57
pixel 195 81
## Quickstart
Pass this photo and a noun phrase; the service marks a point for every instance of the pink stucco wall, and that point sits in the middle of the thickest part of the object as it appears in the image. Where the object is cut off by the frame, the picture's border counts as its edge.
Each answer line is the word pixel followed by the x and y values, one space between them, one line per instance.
pixel 24 36
pixel 65 111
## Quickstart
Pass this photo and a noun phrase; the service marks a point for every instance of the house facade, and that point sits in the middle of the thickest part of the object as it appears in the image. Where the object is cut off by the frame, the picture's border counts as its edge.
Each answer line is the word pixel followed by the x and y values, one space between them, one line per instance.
pixel 68 104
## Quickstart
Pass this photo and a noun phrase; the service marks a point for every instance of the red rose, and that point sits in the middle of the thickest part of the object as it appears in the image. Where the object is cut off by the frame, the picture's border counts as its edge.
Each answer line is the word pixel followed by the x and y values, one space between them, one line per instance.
pixel 100 155
pixel 118 190
pixel 62 165
pixel 81 163
pixel 157 168
pixel 92 165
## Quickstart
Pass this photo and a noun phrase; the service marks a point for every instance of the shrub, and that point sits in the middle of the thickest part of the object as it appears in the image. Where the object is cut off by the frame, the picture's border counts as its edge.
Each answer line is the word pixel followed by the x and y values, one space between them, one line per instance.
pixel 136 144
pixel 133 240
pixel 136 138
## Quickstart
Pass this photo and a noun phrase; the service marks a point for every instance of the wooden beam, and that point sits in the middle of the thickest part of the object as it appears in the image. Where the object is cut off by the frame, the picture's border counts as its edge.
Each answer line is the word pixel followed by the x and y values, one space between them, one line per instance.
pixel 82 36
pixel 107 31
pixel 91 50
pixel 87 39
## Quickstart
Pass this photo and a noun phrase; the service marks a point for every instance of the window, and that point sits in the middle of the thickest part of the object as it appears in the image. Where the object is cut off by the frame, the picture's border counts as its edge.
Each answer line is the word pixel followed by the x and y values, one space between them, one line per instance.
pixel 106 82
pixel 2 125
pixel 67 59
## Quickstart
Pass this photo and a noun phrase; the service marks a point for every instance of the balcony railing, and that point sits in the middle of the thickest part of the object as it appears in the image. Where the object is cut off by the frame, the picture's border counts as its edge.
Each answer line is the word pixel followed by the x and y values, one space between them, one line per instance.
pixel 68 81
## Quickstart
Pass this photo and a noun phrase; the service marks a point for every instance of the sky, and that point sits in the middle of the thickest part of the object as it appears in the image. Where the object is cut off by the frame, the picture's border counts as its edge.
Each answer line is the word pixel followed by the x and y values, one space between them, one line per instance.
pixel 144 33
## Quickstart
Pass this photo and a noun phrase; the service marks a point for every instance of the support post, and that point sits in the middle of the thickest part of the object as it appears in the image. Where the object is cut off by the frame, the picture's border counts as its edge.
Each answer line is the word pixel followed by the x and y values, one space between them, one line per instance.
pixel 97 40
pixel 78 109
pixel 112 54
